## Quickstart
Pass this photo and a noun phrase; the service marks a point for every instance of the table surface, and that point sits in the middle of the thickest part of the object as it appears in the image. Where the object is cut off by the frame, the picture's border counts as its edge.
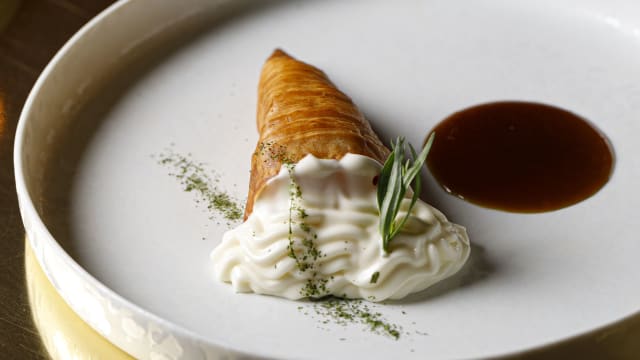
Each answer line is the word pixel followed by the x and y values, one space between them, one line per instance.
pixel 35 323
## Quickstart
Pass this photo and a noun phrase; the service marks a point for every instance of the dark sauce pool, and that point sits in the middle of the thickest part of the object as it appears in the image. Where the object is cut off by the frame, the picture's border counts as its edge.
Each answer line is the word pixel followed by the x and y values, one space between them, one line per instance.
pixel 520 156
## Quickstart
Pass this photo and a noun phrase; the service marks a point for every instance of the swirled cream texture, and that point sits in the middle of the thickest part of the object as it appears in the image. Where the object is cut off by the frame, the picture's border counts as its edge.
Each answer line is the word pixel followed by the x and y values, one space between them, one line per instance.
pixel 314 232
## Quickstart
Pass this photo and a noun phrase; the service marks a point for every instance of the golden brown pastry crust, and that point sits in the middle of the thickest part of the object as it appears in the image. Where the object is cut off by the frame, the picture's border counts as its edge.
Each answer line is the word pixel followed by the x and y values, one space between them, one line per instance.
pixel 301 112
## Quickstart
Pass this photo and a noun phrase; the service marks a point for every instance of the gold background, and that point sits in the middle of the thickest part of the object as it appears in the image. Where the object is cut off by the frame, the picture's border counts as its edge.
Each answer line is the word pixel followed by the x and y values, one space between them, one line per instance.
pixel 31 31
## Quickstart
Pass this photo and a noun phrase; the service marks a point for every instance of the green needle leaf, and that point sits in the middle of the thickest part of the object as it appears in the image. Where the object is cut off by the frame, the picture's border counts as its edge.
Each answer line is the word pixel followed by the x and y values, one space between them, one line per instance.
pixel 396 177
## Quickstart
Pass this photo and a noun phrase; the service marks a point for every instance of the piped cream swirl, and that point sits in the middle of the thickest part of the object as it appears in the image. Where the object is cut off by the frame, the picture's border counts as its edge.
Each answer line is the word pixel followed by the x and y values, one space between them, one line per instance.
pixel 330 206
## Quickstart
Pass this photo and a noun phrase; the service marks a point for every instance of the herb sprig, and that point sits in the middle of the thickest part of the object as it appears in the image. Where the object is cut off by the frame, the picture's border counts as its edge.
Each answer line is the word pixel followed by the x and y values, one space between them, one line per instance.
pixel 396 177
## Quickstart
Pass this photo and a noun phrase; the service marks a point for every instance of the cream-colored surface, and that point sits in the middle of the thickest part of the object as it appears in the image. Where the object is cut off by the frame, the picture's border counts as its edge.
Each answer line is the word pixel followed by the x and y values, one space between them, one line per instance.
pixel 341 219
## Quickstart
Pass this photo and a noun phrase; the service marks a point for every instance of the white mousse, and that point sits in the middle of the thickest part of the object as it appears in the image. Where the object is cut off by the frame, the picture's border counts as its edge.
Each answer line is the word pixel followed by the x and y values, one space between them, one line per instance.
pixel 333 221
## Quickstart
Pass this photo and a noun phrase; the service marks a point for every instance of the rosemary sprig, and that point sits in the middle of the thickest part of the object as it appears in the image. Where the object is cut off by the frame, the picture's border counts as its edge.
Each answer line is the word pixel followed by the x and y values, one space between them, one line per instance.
pixel 397 175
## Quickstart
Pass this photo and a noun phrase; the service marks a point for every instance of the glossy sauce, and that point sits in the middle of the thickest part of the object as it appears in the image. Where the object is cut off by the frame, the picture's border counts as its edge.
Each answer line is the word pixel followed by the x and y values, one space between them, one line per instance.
pixel 520 156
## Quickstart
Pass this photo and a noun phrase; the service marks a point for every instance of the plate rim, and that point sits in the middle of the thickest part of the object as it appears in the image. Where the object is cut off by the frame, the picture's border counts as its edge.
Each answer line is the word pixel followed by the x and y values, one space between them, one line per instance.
pixel 42 241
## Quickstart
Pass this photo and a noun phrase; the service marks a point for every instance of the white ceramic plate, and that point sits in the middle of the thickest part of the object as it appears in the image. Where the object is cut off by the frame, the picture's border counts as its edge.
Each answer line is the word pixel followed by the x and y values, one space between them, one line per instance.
pixel 129 254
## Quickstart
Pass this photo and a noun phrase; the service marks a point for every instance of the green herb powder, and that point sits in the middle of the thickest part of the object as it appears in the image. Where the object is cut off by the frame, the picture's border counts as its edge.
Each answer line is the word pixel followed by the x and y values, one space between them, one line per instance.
pixel 195 178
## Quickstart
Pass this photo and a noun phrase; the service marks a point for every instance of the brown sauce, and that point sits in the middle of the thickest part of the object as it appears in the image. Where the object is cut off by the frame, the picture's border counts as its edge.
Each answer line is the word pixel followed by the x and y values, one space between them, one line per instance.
pixel 519 156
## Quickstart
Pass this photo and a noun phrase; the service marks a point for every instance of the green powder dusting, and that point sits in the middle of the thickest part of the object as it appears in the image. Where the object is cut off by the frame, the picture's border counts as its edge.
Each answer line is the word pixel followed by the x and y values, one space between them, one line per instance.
pixel 302 242
pixel 345 312
pixel 195 178
pixel 269 150
pixel 374 277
